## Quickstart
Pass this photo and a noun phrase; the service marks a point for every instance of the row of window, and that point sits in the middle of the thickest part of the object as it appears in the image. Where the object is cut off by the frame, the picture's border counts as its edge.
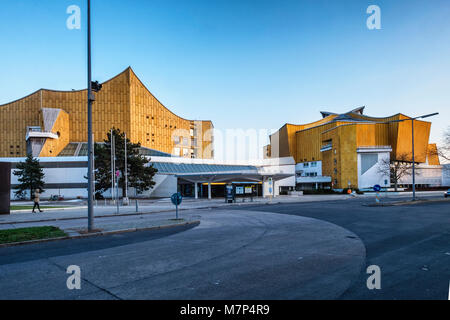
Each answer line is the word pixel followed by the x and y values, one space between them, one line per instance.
pixel 186 152
pixel 307 174
pixel 308 164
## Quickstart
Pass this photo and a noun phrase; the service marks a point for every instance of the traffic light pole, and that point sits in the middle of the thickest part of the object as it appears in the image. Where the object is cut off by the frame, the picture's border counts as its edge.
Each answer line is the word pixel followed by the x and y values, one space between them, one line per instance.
pixel 89 116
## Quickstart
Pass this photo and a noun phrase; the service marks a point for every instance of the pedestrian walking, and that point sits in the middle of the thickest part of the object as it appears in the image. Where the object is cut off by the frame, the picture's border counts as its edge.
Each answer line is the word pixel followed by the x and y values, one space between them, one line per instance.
pixel 37 196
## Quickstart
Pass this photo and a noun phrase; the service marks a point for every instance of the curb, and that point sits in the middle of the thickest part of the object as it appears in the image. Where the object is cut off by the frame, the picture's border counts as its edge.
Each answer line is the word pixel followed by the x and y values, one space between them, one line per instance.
pixel 139 213
pixel 98 234
pixel 213 206
pixel 406 203
pixel 48 209
pixel 96 217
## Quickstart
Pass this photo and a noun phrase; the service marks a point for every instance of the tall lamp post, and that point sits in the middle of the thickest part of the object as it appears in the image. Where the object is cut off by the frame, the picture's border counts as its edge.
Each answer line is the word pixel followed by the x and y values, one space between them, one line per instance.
pixel 89 116
pixel 413 156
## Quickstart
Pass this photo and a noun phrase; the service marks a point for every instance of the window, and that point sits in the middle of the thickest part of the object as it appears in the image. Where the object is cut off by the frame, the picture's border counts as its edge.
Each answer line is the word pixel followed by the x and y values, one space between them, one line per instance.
pixel 176 151
pixel 306 165
pixel 185 141
pixel 185 152
pixel 368 161
pixel 313 164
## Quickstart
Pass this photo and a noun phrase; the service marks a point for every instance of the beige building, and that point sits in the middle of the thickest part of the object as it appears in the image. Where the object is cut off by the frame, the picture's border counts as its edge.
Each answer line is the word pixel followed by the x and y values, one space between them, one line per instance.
pixel 345 150
pixel 52 123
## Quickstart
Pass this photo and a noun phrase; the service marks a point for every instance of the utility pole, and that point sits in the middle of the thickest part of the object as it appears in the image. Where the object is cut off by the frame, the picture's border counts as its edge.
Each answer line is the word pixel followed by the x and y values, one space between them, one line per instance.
pixel 90 142
pixel 413 163
pixel 125 199
pixel 412 150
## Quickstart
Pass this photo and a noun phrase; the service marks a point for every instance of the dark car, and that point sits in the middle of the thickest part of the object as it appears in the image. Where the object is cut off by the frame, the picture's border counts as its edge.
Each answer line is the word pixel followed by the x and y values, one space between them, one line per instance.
pixel 447 193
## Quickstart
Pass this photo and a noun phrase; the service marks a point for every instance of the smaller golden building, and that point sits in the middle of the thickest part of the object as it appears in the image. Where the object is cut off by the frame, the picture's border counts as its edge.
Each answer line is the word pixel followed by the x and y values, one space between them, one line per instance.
pixel 51 123
pixel 343 150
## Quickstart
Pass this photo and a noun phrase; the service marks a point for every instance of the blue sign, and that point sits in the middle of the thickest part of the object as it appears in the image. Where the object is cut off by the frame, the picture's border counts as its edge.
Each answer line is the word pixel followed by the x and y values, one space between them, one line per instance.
pixel 176 198
pixel 377 188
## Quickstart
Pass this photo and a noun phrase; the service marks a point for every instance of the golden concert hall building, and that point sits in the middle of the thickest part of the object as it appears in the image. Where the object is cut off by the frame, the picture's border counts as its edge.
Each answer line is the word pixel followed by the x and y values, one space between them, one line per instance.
pixel 51 123
pixel 348 150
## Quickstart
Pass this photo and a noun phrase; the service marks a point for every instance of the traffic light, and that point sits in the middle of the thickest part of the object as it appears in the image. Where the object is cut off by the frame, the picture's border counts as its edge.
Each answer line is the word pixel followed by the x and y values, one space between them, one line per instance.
pixel 96 87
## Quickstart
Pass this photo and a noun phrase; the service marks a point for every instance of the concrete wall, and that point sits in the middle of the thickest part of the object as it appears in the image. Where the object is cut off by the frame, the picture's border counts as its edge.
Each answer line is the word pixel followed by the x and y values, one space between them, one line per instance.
pixel 65 176
pixel 372 176
pixel 5 185
pixel 426 174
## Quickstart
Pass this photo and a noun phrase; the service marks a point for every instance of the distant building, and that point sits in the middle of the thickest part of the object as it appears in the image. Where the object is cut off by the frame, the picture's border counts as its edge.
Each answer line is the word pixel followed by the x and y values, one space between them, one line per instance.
pixel 51 123
pixel 347 150
pixel 446 175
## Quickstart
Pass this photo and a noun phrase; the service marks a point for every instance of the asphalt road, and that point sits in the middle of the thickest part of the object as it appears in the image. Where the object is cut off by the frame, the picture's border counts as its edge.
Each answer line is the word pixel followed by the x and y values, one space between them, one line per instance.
pixel 231 255
pixel 316 250
pixel 410 243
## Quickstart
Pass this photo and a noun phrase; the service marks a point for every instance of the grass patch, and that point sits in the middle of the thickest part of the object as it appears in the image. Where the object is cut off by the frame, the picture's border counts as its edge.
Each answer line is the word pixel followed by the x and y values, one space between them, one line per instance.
pixel 27 234
pixel 31 207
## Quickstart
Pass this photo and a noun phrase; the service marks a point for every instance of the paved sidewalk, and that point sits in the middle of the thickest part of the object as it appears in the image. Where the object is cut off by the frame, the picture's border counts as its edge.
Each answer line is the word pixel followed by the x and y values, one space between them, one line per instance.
pixel 147 207
pixel 111 224
pixel 79 211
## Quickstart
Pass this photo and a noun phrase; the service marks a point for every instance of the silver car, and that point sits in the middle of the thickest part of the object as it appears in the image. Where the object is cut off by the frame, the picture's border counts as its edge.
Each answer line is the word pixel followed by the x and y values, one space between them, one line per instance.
pixel 447 193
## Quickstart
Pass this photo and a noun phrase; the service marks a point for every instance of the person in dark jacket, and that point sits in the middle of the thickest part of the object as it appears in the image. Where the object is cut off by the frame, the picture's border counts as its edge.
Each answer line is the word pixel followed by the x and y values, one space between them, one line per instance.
pixel 37 199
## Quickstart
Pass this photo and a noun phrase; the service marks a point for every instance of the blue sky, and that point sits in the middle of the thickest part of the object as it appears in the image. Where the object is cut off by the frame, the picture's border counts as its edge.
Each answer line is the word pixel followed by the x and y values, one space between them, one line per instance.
pixel 243 64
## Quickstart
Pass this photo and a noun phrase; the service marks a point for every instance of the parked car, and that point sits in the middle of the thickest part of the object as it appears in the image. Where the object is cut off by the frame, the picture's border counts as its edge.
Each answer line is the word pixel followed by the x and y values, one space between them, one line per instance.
pixel 447 193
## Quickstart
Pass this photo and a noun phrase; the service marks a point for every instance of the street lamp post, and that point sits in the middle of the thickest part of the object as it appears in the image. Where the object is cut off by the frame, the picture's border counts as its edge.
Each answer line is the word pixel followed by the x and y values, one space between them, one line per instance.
pixel 412 140
pixel 89 116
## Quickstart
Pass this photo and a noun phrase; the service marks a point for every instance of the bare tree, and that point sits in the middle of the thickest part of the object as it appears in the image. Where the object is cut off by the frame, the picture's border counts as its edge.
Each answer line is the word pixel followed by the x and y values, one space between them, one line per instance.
pixel 396 169
pixel 445 148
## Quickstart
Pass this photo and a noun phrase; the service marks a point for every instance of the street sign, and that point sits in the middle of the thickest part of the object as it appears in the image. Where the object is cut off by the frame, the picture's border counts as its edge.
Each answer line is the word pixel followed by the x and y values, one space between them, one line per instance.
pixel 176 198
pixel 377 188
